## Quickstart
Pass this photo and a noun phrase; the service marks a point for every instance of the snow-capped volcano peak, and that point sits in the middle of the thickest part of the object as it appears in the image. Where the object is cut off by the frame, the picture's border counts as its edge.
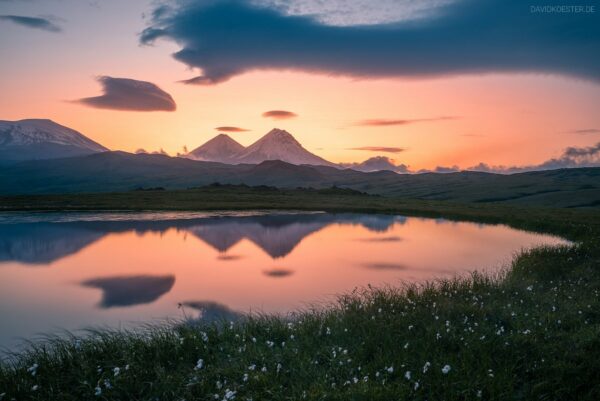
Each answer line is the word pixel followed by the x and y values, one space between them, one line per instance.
pixel 279 144
pixel 42 139
pixel 222 148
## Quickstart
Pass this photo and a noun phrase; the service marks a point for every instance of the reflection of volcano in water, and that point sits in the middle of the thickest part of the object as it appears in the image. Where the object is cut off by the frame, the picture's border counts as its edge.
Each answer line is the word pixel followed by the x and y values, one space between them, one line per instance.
pixel 276 234
pixel 42 243
pixel 130 290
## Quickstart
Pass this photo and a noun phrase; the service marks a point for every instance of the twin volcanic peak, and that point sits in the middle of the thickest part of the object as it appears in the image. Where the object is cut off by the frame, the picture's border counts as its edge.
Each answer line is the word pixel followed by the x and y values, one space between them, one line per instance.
pixel 276 145
pixel 38 139
pixel 42 139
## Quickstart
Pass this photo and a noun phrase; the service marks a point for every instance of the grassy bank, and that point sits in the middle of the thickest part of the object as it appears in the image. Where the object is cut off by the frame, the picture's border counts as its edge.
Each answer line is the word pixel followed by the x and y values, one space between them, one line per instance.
pixel 531 332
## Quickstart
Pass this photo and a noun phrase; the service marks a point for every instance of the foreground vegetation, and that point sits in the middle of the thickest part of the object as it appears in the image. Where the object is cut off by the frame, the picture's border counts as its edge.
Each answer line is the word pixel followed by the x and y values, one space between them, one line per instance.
pixel 531 332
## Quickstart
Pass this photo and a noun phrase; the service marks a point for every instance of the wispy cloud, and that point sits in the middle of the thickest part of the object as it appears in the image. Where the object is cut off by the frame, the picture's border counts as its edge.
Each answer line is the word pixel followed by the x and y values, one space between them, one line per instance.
pixel 279 114
pixel 130 95
pixel 231 129
pixel 585 131
pixel 385 149
pixel 499 34
pixel 44 24
pixel 379 122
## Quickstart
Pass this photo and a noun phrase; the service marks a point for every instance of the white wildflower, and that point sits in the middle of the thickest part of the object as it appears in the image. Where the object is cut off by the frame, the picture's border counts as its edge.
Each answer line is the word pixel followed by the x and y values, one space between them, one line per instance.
pixel 35 387
pixel 199 364
pixel 426 367
pixel 446 369
pixel 407 375
pixel 33 369
pixel 116 371
pixel 98 392
pixel 390 369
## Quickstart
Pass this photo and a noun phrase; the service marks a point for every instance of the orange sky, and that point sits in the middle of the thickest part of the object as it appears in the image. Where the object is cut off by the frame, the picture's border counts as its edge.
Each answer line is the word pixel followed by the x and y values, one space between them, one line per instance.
pixel 502 119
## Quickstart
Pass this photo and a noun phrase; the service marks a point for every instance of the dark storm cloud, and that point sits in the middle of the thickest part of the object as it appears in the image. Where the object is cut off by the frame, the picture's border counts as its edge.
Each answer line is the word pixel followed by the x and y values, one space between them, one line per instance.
pixel 229 37
pixel 279 114
pixel 130 94
pixel 386 149
pixel 231 129
pixel 32 22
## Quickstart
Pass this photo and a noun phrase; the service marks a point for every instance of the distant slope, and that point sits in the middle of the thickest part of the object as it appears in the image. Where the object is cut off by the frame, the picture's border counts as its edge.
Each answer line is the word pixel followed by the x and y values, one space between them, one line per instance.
pixel 120 171
pixel 42 139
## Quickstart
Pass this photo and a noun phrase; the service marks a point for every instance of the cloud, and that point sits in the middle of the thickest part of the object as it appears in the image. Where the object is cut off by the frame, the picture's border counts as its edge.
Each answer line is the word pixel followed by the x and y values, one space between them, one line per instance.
pixel 225 38
pixel 33 22
pixel 142 151
pixel 585 131
pixel 386 149
pixel 231 129
pixel 279 114
pixel 131 95
pixel 444 169
pixel 377 163
pixel 572 157
pixel 387 123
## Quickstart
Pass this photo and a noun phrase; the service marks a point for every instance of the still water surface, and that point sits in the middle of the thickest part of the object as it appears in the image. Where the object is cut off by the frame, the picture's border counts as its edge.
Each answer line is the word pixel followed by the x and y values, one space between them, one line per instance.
pixel 73 271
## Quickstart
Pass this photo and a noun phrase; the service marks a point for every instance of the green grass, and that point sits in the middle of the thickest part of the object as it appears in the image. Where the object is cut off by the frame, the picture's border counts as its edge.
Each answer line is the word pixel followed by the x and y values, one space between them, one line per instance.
pixel 530 332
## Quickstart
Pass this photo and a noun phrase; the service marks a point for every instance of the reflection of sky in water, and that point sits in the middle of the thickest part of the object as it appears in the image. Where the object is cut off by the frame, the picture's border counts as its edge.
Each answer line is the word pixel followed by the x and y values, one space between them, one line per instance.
pixel 59 272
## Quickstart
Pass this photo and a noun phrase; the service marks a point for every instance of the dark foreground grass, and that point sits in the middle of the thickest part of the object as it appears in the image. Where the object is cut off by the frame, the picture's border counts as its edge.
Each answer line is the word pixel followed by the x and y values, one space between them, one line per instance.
pixel 531 332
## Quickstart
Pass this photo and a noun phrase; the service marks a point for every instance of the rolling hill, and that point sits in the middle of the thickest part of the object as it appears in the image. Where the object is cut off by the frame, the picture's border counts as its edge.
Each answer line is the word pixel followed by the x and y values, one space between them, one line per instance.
pixel 120 171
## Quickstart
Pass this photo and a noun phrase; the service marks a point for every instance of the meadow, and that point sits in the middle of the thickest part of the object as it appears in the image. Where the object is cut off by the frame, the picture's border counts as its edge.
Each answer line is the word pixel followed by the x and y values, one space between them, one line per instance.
pixel 530 331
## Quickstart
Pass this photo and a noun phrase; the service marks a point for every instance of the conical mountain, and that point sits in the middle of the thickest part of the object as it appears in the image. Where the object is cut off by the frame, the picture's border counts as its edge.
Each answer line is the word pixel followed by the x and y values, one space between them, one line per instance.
pixel 280 145
pixel 42 139
pixel 222 148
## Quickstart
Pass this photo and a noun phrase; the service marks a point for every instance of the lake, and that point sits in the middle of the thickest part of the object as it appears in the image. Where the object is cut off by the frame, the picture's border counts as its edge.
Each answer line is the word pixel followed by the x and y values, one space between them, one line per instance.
pixel 80 270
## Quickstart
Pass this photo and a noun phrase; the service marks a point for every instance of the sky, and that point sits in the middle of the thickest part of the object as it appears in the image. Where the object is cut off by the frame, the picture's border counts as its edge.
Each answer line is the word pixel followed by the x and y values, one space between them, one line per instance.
pixel 434 83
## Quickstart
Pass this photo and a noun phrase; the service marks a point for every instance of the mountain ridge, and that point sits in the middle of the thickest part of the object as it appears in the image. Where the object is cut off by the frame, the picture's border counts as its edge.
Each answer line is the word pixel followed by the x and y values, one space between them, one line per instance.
pixel 42 139
pixel 277 144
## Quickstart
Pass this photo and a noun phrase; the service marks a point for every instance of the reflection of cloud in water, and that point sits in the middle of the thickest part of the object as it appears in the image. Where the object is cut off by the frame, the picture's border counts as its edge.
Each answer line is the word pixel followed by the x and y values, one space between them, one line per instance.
pixel 276 234
pixel 130 290
pixel 278 273
pixel 385 266
pixel 229 257
pixel 399 267
pixel 381 239
pixel 212 312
